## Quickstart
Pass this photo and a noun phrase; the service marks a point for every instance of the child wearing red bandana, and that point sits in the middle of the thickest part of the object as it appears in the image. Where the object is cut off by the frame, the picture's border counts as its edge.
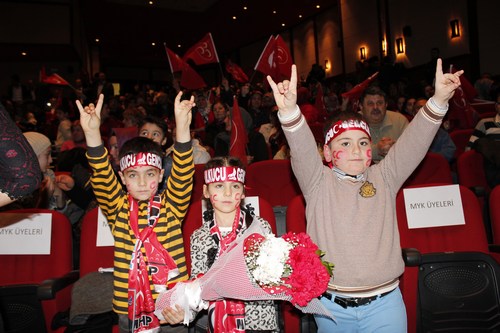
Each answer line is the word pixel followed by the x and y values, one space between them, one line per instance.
pixel 350 205
pixel 224 220
pixel 145 221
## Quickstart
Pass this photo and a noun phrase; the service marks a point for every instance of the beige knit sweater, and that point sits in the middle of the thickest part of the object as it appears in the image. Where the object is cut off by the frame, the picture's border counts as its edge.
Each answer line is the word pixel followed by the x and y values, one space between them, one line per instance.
pixel 359 234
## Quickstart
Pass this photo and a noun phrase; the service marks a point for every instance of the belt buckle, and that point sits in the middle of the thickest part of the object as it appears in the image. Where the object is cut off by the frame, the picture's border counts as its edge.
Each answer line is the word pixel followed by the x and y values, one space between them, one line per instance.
pixel 340 301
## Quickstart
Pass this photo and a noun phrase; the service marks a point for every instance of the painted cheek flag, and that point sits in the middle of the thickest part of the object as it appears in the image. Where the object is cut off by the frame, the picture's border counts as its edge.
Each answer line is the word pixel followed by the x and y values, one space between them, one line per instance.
pixel 203 52
pixel 176 63
pixel 276 59
pixel 239 137
pixel 236 72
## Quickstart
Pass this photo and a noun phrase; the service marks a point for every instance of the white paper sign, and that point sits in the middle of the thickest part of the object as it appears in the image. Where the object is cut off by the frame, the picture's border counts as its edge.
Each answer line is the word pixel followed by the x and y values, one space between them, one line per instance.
pixel 433 206
pixel 25 233
pixel 104 235
pixel 253 201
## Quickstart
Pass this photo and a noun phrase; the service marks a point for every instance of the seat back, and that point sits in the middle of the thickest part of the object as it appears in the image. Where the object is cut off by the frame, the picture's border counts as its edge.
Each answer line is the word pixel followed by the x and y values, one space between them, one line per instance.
pixel 194 219
pixel 460 138
pixel 458 292
pixel 272 180
pixel 296 215
pixel 27 268
pixel 295 222
pixel 434 168
pixel 494 208
pixel 21 306
pixel 470 170
pixel 458 238
pixel 93 257
pixel 198 181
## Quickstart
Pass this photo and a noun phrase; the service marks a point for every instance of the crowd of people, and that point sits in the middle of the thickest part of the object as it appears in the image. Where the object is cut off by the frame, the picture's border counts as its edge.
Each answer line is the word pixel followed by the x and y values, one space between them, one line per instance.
pixel 133 155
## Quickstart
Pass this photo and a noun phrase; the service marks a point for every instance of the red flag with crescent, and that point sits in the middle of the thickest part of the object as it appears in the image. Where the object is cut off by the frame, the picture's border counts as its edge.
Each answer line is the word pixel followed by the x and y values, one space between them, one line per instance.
pixel 203 52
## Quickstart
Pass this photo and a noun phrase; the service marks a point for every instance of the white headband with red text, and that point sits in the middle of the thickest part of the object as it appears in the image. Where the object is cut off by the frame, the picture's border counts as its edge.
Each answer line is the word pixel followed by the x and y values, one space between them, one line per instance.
pixel 140 159
pixel 346 125
pixel 224 174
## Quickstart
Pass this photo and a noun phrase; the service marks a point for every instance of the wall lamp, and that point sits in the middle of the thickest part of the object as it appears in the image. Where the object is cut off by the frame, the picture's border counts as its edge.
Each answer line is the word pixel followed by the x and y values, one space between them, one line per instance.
pixel 399 46
pixel 362 53
pixel 455 28
pixel 328 66
pixel 384 46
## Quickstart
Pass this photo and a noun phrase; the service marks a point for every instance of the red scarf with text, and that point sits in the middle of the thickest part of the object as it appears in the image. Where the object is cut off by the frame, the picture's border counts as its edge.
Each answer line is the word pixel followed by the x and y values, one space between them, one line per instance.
pixel 141 305
pixel 226 316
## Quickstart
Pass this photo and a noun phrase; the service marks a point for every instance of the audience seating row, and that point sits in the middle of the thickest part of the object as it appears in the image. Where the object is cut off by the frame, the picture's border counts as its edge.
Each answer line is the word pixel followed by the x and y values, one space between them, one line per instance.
pixel 26 279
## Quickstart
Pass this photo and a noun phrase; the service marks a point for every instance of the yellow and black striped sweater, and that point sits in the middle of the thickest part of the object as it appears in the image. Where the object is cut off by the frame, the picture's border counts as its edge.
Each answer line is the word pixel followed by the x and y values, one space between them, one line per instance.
pixel 113 200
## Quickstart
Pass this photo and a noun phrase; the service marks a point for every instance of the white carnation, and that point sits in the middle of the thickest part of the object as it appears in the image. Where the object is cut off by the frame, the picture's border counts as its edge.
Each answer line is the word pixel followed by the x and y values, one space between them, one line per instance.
pixel 271 259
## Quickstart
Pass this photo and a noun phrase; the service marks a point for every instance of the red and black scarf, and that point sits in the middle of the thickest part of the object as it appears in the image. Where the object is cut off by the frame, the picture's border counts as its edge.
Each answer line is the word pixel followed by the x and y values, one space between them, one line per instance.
pixel 141 305
pixel 226 316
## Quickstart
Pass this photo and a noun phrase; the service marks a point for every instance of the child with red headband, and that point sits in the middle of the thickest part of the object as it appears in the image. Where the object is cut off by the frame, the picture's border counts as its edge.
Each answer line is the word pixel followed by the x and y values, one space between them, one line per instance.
pixel 145 223
pixel 225 219
pixel 350 205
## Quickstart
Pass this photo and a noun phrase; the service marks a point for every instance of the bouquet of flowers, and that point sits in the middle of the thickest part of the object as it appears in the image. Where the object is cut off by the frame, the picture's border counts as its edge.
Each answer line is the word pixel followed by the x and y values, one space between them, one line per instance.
pixel 258 267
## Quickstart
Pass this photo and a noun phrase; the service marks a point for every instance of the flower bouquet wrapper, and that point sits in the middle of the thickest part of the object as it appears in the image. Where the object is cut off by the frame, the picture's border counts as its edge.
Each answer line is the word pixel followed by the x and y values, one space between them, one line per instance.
pixel 229 277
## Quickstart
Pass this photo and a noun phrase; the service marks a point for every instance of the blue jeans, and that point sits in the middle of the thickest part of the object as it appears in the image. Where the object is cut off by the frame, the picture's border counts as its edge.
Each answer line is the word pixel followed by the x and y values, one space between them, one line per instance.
pixel 383 315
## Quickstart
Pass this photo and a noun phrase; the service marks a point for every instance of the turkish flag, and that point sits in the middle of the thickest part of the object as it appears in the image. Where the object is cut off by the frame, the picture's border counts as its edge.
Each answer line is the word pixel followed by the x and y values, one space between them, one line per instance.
pixel 355 93
pixel 461 114
pixel 266 63
pixel 190 79
pixel 203 52
pixel 283 59
pixel 236 72
pixel 239 136
pixel 176 63
pixel 52 79
pixel 276 59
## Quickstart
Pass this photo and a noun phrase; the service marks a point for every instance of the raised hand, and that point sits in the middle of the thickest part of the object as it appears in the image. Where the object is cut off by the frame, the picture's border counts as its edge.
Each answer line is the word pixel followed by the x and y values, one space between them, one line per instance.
pixel 285 93
pixel 90 119
pixel 183 115
pixel 446 84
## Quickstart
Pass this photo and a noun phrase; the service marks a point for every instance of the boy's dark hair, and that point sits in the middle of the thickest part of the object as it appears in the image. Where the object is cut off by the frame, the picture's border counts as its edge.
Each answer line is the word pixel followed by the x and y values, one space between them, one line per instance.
pixel 140 144
pixel 346 115
pixel 162 124
pixel 372 90
pixel 155 120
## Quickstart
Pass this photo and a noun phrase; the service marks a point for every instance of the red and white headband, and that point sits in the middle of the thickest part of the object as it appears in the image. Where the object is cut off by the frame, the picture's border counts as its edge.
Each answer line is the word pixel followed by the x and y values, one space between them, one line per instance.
pixel 140 159
pixel 224 174
pixel 346 125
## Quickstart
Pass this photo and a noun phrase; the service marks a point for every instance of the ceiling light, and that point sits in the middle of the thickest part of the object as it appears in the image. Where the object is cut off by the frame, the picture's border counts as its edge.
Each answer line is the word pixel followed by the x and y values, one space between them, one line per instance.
pixel 274 12
pixel 153 44
pixel 318 6
pixel 234 17
pixel 245 8
pixel 97 40
pixel 282 24
pixel 24 53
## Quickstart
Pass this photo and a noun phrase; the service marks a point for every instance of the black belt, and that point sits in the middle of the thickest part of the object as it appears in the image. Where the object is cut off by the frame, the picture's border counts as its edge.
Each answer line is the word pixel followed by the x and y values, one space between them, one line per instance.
pixel 346 302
